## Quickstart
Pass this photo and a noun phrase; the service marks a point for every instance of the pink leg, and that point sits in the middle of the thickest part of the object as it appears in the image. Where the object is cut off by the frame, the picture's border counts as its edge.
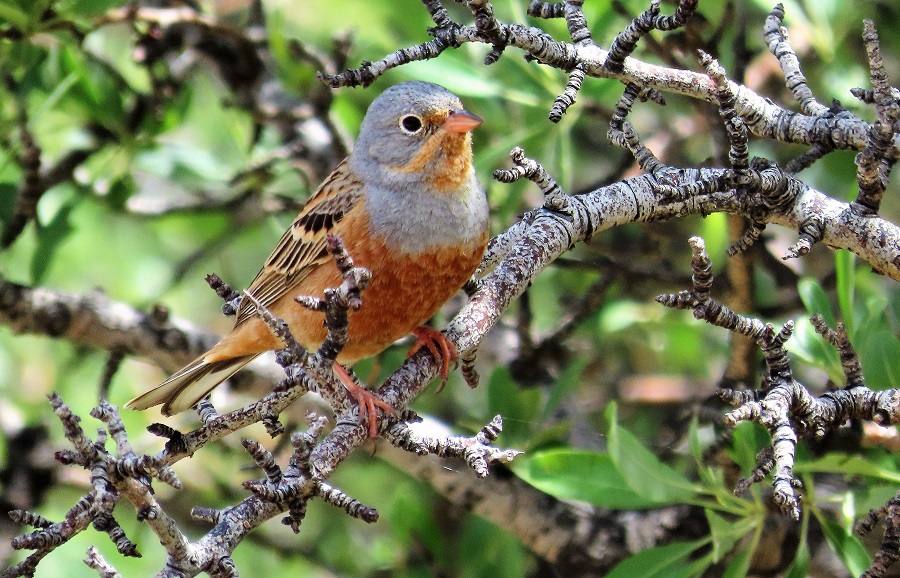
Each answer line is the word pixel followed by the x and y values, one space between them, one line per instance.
pixel 441 348
pixel 366 400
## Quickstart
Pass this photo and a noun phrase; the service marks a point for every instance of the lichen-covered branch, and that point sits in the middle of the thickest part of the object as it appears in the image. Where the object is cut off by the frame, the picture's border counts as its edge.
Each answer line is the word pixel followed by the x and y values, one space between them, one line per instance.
pixel 875 162
pixel 824 130
pixel 477 452
pixel 126 474
pixel 776 37
pixel 112 476
pixel 785 407
pixel 754 188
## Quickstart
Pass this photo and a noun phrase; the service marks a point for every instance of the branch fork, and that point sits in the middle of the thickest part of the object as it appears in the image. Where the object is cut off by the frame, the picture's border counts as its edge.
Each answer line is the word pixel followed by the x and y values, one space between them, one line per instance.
pixel 781 404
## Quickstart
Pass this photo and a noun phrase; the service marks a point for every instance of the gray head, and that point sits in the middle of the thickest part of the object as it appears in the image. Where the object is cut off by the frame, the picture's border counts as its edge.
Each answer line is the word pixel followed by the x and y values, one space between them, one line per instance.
pixel 415 131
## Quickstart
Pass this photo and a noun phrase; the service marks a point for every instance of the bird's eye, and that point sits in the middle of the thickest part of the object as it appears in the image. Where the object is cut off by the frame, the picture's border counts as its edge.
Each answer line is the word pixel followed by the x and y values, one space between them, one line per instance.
pixel 410 124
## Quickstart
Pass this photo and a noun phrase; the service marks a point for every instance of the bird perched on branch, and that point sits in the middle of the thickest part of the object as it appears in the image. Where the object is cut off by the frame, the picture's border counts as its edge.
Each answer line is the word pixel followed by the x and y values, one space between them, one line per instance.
pixel 408 207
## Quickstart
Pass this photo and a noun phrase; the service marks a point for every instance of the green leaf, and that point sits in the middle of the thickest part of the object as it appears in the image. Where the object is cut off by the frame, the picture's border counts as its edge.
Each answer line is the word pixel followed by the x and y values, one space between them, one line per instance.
pixel 872 496
pixel 746 441
pixel 710 477
pixel 694 439
pixel 642 471
pixel 552 434
pixel 412 520
pixel 566 383
pixel 848 465
pixel 85 8
pixel 36 8
pixel 13 15
pixel 724 534
pixel 848 547
pixel 580 475
pixel 8 194
pixel 84 92
pixel 499 554
pixel 714 230
pixel 844 262
pixel 878 357
pixel 815 300
pixel 738 567
pixel 799 568
pixel 812 348
pixel 670 561
pixel 518 406
pixel 58 92
pixel 50 237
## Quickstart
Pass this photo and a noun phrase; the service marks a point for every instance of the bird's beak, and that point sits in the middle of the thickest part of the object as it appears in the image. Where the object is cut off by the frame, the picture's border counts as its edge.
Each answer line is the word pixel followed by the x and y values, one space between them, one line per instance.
pixel 461 121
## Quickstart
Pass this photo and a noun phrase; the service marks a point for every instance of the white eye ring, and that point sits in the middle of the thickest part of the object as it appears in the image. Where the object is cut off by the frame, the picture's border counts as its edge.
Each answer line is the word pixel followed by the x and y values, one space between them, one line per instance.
pixel 410 123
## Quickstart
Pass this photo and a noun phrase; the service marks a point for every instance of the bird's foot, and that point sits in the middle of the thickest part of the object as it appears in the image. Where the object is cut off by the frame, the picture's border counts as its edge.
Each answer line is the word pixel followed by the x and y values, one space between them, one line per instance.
pixel 367 401
pixel 441 348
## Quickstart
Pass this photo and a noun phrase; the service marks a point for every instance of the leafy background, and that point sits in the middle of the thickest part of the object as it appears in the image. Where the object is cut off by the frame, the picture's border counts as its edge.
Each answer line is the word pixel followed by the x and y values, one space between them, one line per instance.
pixel 612 416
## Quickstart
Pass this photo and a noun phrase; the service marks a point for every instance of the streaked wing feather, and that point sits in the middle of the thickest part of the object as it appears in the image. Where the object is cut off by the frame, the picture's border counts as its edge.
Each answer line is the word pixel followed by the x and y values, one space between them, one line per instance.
pixel 303 245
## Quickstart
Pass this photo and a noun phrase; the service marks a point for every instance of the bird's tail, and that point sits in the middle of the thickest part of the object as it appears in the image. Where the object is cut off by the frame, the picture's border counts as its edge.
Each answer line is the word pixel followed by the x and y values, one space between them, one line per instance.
pixel 191 384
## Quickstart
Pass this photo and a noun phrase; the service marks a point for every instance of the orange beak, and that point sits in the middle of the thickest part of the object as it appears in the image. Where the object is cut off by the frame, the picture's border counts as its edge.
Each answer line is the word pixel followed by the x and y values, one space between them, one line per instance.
pixel 461 121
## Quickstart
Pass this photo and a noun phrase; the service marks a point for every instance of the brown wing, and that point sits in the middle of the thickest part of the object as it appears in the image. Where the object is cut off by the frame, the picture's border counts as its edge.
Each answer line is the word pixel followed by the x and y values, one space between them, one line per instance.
pixel 302 246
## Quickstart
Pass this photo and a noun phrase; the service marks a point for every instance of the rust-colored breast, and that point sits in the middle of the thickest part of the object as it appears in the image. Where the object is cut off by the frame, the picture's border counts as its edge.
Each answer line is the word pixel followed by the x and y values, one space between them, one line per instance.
pixel 404 292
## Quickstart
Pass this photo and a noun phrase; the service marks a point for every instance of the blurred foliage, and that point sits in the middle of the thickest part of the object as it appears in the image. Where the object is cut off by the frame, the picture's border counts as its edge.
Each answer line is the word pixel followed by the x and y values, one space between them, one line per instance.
pixel 79 85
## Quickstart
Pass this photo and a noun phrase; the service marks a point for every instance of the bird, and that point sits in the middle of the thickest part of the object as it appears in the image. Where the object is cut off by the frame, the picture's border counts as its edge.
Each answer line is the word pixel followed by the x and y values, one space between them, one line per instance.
pixel 408 207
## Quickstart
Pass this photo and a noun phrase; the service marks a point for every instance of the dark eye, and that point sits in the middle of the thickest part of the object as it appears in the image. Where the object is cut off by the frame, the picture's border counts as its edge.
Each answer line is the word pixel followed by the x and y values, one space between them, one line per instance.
pixel 410 124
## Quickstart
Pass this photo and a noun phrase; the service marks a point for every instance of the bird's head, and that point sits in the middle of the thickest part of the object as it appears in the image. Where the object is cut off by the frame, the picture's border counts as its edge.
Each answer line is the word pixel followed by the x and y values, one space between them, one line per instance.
pixel 416 133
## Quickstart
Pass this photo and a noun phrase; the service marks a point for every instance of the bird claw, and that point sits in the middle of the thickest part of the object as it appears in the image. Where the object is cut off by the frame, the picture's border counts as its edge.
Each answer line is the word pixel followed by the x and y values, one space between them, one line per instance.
pixel 441 348
pixel 367 401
